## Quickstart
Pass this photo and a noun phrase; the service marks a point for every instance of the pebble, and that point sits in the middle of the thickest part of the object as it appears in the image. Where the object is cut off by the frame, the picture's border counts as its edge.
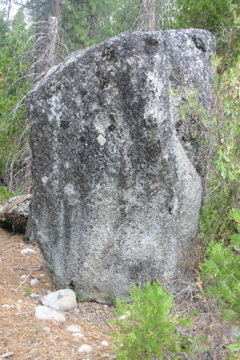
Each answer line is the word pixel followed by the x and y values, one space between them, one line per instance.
pixel 23 277
pixel 35 296
pixel 45 313
pixel 28 251
pixel 122 317
pixel 75 329
pixel 62 300
pixel 104 343
pixel 47 329
pixel 79 335
pixel 6 306
pixel 85 348
pixel 6 355
pixel 34 282
pixel 232 333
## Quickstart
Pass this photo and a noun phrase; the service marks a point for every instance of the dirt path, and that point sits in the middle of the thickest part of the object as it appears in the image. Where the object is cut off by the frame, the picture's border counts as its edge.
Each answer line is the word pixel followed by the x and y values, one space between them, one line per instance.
pixel 25 336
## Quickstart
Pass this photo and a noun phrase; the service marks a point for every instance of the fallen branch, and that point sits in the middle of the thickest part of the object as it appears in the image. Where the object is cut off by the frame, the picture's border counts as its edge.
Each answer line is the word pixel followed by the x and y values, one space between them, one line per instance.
pixel 23 282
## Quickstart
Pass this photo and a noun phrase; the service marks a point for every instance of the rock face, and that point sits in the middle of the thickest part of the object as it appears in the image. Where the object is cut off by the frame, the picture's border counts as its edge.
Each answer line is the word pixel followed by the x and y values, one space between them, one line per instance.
pixel 119 160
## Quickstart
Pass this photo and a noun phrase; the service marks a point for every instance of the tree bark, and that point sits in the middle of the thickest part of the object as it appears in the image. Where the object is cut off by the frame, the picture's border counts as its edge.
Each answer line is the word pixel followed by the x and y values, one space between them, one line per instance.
pixel 47 37
pixel 149 18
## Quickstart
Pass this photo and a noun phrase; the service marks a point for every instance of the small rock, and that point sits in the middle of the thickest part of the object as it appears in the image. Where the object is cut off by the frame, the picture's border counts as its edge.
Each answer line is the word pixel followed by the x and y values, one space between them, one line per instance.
pixel 75 329
pixel 85 348
pixel 232 333
pixel 124 316
pixel 45 313
pixel 35 296
pixel 28 251
pixel 34 282
pixel 104 343
pixel 6 355
pixel 23 277
pixel 6 306
pixel 79 335
pixel 46 329
pixel 62 300
pixel 41 275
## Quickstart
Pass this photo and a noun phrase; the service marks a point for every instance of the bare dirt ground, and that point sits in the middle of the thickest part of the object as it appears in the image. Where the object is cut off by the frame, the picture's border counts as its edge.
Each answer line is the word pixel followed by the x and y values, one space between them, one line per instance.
pixel 25 336
pixel 27 339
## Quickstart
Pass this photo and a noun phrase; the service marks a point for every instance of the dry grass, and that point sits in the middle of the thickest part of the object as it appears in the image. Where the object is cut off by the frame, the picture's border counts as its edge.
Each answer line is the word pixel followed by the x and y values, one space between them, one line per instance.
pixel 24 335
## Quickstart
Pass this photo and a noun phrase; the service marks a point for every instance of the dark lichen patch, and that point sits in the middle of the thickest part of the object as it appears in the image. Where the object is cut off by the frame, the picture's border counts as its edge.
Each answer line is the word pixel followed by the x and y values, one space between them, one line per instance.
pixel 111 127
pixel 199 43
pixel 82 139
pixel 109 54
pixel 151 45
pixel 151 41
pixel 64 124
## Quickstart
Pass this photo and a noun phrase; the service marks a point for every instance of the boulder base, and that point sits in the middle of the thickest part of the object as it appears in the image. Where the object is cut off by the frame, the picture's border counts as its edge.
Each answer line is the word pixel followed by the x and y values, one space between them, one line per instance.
pixel 119 160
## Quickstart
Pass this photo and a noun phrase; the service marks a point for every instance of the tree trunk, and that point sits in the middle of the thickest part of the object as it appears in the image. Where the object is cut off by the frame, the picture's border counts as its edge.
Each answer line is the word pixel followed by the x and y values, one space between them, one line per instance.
pixel 47 37
pixel 148 22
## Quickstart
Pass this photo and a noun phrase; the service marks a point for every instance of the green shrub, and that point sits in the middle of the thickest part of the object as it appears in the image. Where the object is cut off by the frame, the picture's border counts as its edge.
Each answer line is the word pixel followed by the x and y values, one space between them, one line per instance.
pixel 224 177
pixel 147 329
pixel 221 271
pixel 235 350
pixel 5 195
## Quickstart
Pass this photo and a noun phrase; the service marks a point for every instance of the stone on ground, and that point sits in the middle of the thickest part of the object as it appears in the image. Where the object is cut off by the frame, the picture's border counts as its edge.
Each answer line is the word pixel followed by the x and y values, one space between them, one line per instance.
pixel 74 328
pixel 46 313
pixel 34 282
pixel 6 355
pixel 28 251
pixel 85 348
pixel 34 296
pixel 104 343
pixel 120 158
pixel 61 300
pixel 46 329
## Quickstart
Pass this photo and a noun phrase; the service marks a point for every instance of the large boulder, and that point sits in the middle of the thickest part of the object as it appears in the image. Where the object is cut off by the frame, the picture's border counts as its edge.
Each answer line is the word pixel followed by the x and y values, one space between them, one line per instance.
pixel 119 160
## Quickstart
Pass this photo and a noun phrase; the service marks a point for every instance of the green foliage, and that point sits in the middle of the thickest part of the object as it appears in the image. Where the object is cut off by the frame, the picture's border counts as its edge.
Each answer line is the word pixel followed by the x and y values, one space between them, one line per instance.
pixel 222 17
pixel 5 195
pixel 223 186
pixel 221 271
pixel 27 291
pixel 88 22
pixel 13 86
pixel 80 297
pixel 26 266
pixel 147 329
pixel 111 299
pixel 234 350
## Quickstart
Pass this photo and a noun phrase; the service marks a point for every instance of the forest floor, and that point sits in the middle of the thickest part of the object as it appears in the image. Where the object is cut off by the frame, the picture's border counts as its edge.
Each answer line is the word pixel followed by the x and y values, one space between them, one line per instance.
pixel 26 338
